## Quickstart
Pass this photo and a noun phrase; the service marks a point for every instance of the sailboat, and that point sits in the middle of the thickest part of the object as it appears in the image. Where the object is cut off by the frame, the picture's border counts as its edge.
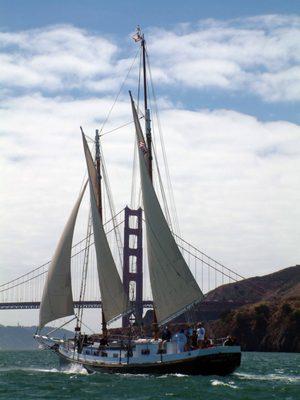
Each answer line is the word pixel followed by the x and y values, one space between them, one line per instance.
pixel 174 288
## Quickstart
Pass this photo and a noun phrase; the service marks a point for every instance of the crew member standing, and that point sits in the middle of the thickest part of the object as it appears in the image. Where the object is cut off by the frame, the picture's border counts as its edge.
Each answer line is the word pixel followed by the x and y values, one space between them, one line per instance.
pixel 200 335
pixel 180 339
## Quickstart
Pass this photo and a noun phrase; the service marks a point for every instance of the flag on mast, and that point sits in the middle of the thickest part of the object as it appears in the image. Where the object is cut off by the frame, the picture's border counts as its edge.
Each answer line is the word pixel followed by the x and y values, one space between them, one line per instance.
pixel 137 37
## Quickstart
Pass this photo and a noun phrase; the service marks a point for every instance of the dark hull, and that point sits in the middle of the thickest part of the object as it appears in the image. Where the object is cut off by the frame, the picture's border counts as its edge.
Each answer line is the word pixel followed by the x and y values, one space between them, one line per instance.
pixel 214 364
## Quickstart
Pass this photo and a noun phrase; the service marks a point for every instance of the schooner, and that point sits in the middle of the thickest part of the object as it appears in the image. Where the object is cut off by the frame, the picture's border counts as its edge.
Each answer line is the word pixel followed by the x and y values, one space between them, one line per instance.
pixel 174 289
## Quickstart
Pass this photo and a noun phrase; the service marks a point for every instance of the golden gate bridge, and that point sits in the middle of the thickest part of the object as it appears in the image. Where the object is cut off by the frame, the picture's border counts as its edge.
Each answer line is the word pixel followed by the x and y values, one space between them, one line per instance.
pixel 25 291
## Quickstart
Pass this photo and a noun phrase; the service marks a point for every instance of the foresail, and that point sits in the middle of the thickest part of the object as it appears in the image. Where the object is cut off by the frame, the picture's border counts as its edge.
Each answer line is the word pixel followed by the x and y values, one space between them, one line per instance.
pixel 57 299
pixel 174 288
pixel 114 299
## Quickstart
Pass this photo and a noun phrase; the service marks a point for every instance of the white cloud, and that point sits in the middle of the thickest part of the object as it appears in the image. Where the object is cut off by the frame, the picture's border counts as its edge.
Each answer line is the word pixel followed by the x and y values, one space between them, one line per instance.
pixel 260 55
pixel 235 178
pixel 56 58
pixel 42 169
pixel 279 86
pixel 237 182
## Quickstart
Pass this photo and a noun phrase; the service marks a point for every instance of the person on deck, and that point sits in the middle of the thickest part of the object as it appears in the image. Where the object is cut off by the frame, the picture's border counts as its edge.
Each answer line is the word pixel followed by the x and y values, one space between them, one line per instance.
pixel 190 330
pixel 188 333
pixel 166 337
pixel 194 339
pixel 180 340
pixel 166 334
pixel 230 341
pixel 207 343
pixel 200 335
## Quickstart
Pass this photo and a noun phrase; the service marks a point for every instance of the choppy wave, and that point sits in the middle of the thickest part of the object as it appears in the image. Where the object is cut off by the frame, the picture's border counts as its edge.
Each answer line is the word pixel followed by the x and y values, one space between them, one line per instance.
pixel 74 369
pixel 127 375
pixel 170 375
pixel 262 376
pixel 268 377
pixel 230 384
pixel 71 369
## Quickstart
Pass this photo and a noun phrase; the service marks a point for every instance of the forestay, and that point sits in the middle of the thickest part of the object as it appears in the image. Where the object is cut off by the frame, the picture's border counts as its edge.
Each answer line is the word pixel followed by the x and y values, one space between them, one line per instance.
pixel 174 288
pixel 57 299
pixel 114 299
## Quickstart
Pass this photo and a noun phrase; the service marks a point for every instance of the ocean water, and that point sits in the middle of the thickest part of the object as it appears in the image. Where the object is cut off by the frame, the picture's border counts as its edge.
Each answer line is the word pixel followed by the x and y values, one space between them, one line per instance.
pixel 36 375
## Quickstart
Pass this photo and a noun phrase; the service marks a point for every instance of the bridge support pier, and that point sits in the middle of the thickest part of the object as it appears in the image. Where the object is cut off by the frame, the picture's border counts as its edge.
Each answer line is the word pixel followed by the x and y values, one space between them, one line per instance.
pixel 133 264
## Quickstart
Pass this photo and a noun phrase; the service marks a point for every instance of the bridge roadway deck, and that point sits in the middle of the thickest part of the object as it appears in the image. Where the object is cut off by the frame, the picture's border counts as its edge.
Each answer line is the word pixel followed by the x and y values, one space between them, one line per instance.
pixel 204 306
pixel 31 305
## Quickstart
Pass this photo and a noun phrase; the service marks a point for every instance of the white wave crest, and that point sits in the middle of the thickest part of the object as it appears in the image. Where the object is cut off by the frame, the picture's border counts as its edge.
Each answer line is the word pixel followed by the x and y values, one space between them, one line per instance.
pixel 216 382
pixel 75 368
pixel 169 375
pixel 69 369
pixel 269 377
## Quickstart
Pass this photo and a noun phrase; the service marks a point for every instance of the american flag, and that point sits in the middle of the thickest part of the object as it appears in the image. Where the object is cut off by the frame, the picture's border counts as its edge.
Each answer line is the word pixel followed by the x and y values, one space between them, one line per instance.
pixel 143 147
pixel 138 35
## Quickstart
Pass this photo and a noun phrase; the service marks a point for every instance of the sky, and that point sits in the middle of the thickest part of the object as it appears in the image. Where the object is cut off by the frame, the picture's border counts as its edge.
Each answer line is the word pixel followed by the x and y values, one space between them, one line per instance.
pixel 227 82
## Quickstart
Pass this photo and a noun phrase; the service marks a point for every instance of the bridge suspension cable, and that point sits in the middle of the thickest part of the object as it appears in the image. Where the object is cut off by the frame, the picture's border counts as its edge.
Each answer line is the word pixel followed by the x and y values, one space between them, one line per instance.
pixel 26 290
pixel 7 285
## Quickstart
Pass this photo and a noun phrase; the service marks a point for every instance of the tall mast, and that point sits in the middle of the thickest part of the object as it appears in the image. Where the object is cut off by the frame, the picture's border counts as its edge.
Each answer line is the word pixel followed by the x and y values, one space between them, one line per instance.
pixel 99 203
pixel 139 36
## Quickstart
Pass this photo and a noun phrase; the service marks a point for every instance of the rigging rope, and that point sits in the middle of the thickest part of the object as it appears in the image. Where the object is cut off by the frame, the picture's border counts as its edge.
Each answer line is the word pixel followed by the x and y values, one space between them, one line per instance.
pixel 85 268
pixel 164 154
pixel 112 207
pixel 134 203
pixel 162 189
pixel 117 128
pixel 119 92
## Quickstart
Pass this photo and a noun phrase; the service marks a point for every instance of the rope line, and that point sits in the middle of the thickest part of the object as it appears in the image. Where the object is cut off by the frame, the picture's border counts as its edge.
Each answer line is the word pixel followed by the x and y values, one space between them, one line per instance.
pixel 119 92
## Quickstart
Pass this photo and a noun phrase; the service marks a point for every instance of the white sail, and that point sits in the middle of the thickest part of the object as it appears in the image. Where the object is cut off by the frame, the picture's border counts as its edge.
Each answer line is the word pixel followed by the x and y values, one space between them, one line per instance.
pixel 57 299
pixel 114 299
pixel 174 288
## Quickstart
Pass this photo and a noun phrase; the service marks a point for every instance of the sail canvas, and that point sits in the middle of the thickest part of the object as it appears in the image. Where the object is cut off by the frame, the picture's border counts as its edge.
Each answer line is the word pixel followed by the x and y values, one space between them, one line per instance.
pixel 114 299
pixel 174 288
pixel 57 299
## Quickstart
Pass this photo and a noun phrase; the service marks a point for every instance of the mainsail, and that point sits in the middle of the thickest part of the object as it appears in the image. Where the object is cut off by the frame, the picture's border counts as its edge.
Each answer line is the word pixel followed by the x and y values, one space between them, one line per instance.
pixel 174 288
pixel 57 299
pixel 114 299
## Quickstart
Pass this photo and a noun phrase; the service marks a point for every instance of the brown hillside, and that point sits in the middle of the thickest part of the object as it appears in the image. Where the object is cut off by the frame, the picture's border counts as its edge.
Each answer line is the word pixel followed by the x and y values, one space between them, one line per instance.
pixel 263 312
pixel 271 320
pixel 282 284
pixel 264 326
pixel 278 286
